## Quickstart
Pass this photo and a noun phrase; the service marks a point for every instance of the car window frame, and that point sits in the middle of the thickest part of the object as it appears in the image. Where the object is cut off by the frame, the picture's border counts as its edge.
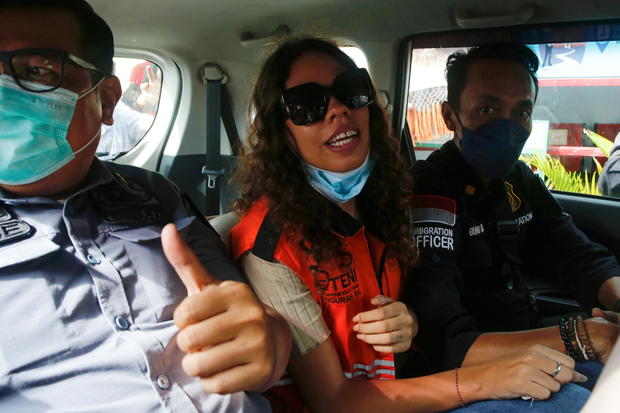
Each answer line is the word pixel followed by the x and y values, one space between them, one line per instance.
pixel 147 153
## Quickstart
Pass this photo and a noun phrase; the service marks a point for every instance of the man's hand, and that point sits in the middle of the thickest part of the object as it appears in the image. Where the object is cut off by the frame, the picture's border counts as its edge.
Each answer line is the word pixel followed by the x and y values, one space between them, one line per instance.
pixel 389 328
pixel 603 330
pixel 148 100
pixel 224 329
pixel 610 316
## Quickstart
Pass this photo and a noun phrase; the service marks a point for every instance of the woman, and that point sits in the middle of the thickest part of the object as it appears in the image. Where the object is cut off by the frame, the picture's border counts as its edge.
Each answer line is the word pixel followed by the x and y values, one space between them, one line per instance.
pixel 325 239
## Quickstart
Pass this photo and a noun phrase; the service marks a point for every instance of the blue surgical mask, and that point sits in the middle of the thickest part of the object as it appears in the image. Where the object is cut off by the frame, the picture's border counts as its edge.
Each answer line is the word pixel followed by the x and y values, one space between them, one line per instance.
pixel 339 187
pixel 494 148
pixel 33 132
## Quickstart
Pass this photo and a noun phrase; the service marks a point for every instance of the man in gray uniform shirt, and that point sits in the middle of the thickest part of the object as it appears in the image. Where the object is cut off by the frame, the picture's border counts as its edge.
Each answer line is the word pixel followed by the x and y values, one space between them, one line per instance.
pixel 93 316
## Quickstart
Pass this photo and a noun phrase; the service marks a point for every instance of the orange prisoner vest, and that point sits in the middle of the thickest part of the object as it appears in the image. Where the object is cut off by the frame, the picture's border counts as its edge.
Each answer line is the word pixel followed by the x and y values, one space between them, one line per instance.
pixel 345 291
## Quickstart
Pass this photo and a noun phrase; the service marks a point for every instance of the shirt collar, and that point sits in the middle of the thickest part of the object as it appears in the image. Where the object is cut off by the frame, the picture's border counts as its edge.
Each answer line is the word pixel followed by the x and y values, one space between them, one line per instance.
pixel 97 175
pixel 449 157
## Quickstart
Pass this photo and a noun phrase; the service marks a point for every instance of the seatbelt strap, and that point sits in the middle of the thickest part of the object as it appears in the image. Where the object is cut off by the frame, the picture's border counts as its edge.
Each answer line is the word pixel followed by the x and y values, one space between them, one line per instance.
pixel 228 118
pixel 213 77
pixel 508 231
pixel 508 235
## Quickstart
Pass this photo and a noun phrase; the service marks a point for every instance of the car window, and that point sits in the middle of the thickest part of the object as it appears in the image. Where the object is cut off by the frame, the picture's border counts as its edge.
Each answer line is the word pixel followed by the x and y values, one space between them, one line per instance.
pixel 575 120
pixel 134 114
pixel 357 54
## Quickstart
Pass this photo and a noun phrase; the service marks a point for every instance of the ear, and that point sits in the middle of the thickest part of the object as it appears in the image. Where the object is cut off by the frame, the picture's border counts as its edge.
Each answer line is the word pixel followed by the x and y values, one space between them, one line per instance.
pixel 109 93
pixel 448 116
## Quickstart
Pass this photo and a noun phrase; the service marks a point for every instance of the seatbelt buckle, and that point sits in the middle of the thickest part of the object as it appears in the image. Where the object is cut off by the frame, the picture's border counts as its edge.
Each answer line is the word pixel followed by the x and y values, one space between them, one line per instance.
pixel 212 175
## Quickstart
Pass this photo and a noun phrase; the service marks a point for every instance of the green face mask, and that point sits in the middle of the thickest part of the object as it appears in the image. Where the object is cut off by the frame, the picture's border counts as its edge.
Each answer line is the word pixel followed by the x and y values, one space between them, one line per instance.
pixel 33 132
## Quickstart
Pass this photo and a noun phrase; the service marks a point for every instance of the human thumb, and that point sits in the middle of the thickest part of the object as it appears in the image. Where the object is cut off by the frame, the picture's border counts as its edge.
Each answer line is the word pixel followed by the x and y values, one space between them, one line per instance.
pixel 189 269
pixel 607 315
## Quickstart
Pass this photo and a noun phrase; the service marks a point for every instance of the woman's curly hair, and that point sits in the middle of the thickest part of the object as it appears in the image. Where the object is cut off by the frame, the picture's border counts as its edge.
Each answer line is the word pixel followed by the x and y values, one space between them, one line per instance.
pixel 269 168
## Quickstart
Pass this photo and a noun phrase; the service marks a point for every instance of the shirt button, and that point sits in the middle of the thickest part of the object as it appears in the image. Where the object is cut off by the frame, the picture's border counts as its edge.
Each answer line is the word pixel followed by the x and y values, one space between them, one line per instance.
pixel 435 258
pixel 163 382
pixel 121 322
pixel 93 260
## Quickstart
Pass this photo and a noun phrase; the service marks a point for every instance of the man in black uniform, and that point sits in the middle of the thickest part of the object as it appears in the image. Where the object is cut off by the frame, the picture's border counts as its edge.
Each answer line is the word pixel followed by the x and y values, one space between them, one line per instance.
pixel 483 220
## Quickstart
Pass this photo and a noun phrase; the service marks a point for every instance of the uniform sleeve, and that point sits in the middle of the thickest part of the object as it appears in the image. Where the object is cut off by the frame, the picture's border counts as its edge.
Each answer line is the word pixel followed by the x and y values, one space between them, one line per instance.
pixel 435 285
pixel 280 288
pixel 211 251
pixel 564 251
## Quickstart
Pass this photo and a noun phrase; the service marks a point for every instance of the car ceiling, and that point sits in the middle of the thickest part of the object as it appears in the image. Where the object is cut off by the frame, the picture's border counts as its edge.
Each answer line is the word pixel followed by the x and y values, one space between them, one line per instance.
pixel 198 29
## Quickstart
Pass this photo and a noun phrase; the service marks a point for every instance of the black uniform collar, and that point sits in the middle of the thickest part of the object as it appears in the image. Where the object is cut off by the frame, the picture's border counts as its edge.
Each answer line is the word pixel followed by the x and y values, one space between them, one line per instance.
pixel 449 158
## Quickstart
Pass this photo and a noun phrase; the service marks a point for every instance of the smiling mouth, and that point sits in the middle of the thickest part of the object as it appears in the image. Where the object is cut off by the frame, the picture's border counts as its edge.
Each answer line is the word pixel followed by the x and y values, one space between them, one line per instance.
pixel 343 138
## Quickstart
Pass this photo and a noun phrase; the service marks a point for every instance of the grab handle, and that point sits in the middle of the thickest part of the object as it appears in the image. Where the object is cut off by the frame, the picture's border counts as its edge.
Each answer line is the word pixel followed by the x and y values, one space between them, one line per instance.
pixel 467 19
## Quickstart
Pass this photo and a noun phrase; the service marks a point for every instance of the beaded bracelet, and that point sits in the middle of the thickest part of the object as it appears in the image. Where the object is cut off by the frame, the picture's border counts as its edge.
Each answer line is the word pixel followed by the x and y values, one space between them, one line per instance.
pixel 564 335
pixel 585 339
pixel 458 391
pixel 581 347
pixel 569 338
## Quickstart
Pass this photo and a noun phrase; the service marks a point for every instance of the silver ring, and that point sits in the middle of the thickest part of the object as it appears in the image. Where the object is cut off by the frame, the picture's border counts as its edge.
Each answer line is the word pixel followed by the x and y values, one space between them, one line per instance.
pixel 558 369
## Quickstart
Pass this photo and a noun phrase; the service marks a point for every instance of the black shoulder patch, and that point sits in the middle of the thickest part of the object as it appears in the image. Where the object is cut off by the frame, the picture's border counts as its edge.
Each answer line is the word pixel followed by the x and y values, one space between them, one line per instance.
pixel 4 214
pixel 13 229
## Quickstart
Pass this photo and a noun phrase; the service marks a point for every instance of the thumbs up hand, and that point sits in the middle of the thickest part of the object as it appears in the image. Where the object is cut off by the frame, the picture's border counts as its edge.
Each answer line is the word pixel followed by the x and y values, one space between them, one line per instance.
pixel 229 338
pixel 190 270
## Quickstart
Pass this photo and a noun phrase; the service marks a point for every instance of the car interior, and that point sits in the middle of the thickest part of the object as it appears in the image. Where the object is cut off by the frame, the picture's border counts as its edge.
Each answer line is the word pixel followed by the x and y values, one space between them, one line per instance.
pixel 187 69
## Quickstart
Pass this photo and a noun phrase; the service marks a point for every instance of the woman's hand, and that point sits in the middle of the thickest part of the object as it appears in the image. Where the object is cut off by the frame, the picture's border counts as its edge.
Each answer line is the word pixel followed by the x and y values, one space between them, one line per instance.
pixel 534 373
pixel 388 328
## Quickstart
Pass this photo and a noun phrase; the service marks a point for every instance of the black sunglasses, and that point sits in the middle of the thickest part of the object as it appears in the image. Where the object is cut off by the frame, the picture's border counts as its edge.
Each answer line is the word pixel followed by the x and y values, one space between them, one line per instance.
pixel 307 103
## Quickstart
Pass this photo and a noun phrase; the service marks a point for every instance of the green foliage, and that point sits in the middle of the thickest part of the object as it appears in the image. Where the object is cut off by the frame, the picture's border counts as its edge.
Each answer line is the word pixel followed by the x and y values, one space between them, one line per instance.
pixel 558 178
pixel 601 142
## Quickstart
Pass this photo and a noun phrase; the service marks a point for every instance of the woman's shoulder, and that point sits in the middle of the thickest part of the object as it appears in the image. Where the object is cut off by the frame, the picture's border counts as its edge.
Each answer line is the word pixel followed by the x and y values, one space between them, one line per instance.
pixel 256 226
pixel 243 234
